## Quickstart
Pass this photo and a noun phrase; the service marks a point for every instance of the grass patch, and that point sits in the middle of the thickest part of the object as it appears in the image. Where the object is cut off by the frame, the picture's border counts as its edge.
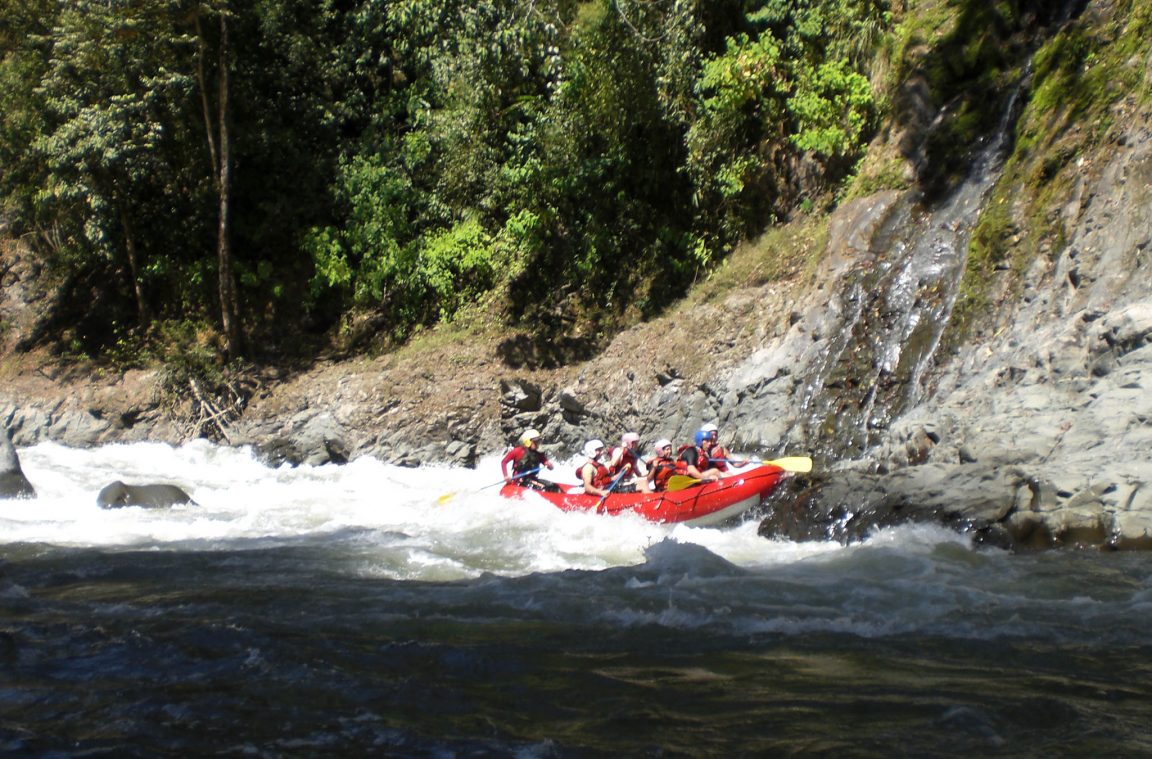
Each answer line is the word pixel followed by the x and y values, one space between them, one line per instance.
pixel 878 175
pixel 782 253
pixel 477 326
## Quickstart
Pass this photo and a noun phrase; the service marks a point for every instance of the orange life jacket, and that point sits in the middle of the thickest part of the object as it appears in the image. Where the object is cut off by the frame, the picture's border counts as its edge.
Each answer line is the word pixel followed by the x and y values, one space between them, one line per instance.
pixel 719 453
pixel 660 468
pixel 602 478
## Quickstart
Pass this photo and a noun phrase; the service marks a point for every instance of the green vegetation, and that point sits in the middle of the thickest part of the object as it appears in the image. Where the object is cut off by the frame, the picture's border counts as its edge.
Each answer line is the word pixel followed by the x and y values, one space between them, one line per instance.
pixel 294 176
pixel 1083 78
pixel 990 250
pixel 283 170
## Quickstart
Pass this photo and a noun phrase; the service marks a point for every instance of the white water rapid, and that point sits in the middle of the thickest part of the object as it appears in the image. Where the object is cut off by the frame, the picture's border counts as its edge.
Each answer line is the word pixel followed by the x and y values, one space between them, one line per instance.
pixel 431 523
pixel 351 610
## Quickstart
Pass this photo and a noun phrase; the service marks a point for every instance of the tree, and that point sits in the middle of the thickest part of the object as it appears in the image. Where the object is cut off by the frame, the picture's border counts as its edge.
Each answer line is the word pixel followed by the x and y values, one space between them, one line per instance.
pixel 112 90
pixel 579 157
pixel 217 124
pixel 24 31
pixel 786 85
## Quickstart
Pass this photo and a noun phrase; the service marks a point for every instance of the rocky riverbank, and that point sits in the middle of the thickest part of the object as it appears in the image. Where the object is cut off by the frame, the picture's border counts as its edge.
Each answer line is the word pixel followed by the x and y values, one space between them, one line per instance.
pixel 1033 432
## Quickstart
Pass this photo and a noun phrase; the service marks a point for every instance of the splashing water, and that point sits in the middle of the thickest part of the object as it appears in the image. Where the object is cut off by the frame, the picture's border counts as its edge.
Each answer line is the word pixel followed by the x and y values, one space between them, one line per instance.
pixel 339 609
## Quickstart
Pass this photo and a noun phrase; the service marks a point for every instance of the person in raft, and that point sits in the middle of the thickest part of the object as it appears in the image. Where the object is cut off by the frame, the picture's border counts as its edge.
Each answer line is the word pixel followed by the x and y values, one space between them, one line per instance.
pixel 526 460
pixel 593 472
pixel 662 466
pixel 625 459
pixel 721 458
pixel 697 458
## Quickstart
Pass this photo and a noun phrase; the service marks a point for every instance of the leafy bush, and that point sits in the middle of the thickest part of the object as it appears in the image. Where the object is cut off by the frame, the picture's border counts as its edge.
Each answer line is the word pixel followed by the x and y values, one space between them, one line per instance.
pixel 832 106
pixel 189 352
pixel 368 253
pixel 456 266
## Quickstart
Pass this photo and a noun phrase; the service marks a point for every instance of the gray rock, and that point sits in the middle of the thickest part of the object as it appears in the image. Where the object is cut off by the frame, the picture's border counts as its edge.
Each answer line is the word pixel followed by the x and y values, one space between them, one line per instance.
pixel 461 453
pixel 850 505
pixel 13 483
pixel 517 396
pixel 571 406
pixel 117 495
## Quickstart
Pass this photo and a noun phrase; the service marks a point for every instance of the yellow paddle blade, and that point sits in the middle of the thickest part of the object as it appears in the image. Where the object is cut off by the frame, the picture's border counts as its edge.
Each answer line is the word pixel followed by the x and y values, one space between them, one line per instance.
pixel 792 463
pixel 445 498
pixel 680 482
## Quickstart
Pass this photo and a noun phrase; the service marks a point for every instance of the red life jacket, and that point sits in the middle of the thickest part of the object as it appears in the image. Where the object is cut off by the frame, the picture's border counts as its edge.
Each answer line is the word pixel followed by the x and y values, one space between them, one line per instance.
pixel 719 453
pixel 602 478
pixel 660 469
pixel 628 461
pixel 702 461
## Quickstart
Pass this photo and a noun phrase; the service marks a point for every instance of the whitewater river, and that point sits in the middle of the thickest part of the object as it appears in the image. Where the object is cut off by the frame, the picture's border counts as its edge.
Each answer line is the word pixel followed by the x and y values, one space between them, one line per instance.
pixel 347 611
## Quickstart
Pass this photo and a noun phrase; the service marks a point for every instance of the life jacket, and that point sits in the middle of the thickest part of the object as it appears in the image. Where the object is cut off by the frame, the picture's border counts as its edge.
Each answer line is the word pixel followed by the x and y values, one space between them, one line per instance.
pixel 602 478
pixel 702 461
pixel 628 461
pixel 660 469
pixel 529 460
pixel 719 453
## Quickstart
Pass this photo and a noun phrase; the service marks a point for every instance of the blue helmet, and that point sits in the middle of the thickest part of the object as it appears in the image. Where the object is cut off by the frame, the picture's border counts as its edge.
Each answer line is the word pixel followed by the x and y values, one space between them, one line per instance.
pixel 701 436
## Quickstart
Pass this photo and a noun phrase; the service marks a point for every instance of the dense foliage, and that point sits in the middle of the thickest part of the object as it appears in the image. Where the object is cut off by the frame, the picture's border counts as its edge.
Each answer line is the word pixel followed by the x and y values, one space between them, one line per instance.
pixel 290 164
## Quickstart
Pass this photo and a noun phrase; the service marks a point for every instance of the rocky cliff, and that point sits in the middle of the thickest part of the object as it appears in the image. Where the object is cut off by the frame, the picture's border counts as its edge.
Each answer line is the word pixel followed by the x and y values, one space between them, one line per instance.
pixel 1035 431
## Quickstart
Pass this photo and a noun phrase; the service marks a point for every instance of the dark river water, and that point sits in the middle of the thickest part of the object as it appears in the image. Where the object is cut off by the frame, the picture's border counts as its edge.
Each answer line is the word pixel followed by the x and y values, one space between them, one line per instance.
pixel 347 611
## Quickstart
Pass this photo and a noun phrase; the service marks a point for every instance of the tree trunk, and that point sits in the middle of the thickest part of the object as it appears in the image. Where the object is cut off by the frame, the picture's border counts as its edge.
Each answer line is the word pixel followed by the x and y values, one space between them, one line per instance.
pixel 228 304
pixel 142 312
pixel 202 79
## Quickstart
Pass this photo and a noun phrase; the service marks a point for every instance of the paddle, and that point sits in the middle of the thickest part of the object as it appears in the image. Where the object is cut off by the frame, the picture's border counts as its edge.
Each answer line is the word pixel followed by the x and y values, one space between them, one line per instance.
pixel 611 487
pixel 799 464
pixel 680 482
pixel 449 496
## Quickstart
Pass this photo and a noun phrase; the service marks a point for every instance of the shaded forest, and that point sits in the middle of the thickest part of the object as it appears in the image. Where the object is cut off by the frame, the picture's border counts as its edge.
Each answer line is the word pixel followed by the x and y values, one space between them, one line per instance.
pixel 275 178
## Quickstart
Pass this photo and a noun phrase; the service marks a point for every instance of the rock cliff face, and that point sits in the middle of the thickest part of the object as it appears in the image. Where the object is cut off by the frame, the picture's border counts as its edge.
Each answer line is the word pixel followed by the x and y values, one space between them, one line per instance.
pixel 1057 390
pixel 1033 431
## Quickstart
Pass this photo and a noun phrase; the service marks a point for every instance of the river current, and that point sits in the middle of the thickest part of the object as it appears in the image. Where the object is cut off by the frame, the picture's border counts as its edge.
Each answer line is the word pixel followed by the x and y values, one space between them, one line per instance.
pixel 353 610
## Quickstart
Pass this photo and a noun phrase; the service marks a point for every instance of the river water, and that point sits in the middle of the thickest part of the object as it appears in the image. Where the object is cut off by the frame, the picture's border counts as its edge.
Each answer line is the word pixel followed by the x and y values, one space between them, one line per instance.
pixel 347 610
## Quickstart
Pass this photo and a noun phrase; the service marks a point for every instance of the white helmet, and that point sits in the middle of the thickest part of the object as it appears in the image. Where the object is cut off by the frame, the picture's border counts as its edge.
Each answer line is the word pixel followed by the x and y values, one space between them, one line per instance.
pixel 661 444
pixel 629 437
pixel 709 428
pixel 592 446
pixel 529 436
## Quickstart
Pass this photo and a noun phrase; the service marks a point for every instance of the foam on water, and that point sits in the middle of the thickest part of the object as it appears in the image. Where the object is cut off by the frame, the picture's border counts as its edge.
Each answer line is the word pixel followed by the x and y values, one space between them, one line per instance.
pixel 433 522
pixel 370 520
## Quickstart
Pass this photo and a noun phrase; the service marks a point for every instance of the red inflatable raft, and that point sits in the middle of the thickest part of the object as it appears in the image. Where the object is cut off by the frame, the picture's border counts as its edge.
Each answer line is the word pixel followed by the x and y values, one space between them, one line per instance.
pixel 704 504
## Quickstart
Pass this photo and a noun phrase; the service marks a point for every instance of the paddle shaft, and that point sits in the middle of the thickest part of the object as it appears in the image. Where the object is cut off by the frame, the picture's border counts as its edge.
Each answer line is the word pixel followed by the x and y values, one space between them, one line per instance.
pixel 448 496
pixel 514 477
pixel 787 463
pixel 611 487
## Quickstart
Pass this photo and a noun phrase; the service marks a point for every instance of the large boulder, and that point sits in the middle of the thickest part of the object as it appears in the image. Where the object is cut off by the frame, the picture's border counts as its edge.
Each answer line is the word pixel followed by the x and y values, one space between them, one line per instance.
pixel 848 505
pixel 117 494
pixel 13 483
